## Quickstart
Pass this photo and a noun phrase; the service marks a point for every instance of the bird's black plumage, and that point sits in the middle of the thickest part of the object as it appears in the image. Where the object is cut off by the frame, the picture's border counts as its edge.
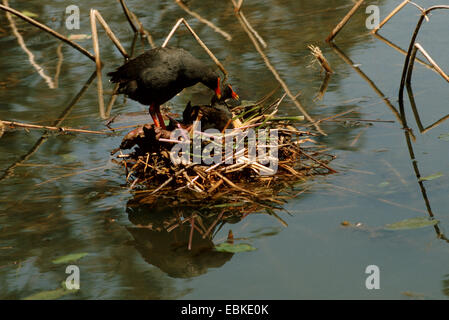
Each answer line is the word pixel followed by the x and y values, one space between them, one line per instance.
pixel 159 74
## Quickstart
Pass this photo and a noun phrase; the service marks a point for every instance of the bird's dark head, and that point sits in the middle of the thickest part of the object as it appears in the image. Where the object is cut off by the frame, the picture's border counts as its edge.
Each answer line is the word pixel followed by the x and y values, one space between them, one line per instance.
pixel 229 93
pixel 221 91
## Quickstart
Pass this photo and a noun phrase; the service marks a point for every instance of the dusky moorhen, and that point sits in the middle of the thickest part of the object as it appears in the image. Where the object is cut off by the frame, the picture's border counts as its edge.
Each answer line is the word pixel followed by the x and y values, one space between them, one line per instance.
pixel 159 74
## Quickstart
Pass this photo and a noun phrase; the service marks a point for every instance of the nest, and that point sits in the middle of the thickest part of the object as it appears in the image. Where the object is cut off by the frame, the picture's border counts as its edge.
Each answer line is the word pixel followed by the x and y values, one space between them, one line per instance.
pixel 152 170
pixel 204 197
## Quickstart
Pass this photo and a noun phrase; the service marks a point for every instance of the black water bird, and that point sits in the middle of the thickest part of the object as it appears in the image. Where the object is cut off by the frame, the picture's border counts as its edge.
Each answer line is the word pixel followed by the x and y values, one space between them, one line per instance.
pixel 159 74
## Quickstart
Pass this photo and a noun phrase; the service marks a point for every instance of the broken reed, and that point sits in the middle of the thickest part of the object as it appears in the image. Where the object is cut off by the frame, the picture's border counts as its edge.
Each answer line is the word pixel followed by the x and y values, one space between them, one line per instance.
pixel 318 55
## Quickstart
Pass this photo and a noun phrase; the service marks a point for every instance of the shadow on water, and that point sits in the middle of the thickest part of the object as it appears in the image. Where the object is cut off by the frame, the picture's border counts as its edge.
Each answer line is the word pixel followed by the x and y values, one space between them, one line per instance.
pixel 166 247
pixel 177 232
pixel 10 170
pixel 402 118
pixel 410 138
pixel 414 161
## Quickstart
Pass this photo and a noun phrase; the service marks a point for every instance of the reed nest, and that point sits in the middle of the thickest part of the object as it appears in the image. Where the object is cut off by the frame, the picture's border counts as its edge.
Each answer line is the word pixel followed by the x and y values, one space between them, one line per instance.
pixel 197 200
pixel 152 173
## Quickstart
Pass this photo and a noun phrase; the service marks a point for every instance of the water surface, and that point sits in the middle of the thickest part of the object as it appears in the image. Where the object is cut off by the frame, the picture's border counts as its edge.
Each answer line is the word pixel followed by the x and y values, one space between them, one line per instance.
pixel 62 194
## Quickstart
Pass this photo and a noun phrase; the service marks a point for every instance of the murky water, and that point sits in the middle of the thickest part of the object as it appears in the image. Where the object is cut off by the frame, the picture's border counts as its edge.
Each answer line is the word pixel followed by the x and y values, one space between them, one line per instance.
pixel 61 194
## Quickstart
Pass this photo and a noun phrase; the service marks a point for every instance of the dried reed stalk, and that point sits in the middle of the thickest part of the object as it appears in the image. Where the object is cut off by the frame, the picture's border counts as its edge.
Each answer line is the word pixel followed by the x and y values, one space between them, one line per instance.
pixel 392 13
pixel 132 18
pixel 275 73
pixel 402 51
pixel 51 128
pixel 343 22
pixel 371 83
pixel 429 58
pixel 316 52
pixel 128 15
pixel 94 16
pixel 238 8
pixel 197 38
pixel 49 30
pixel 410 50
pixel 22 44
pixel 416 113
pixel 10 170
pixel 226 35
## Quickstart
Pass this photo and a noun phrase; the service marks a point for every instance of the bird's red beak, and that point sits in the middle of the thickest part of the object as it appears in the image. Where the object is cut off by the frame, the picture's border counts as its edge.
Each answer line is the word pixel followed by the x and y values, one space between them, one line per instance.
pixel 218 90
pixel 234 95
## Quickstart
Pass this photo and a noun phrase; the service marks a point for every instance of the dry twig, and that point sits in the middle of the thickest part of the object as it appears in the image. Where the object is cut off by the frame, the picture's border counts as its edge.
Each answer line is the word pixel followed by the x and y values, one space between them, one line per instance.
pixel 343 22
pixel 274 71
pixel 316 52
pixel 197 38
pixel 49 30
pixel 226 35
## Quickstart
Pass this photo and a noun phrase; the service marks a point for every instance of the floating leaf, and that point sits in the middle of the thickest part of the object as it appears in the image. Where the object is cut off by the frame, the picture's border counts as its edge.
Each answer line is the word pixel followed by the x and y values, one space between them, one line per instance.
pixel 69 258
pixel 51 294
pixel 413 223
pixel 444 136
pixel 29 14
pixel 68 157
pixel 79 37
pixel 432 177
pixel 383 184
pixel 234 248
pixel 265 232
pixel 48 295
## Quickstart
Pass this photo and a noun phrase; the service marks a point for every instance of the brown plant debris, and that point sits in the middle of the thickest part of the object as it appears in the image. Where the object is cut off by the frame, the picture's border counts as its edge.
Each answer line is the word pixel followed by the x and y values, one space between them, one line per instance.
pixel 233 175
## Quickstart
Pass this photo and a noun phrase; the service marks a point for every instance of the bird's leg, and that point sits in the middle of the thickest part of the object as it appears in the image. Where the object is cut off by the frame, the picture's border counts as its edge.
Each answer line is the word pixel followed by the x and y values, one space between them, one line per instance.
pixel 161 119
pixel 156 115
pixel 153 113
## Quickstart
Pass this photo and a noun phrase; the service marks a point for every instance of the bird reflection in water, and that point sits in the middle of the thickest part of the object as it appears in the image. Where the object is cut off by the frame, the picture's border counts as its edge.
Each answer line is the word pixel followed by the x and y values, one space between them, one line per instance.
pixel 168 248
